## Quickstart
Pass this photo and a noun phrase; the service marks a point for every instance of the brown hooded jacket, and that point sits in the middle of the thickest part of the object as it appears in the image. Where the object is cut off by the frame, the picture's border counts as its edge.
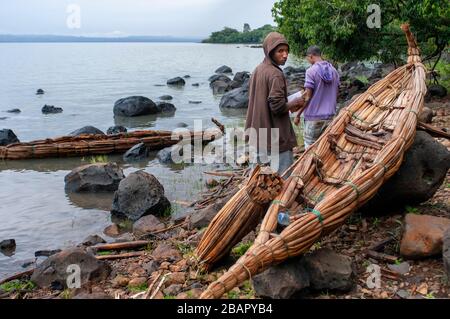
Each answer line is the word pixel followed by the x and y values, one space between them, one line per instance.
pixel 268 97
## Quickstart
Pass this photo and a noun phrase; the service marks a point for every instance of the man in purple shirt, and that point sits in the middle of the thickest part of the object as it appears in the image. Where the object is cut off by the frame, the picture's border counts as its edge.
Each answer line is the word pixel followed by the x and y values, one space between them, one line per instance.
pixel 320 97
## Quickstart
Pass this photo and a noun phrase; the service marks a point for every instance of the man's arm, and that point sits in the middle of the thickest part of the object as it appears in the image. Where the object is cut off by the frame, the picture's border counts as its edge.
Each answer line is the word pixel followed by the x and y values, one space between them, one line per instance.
pixel 306 97
pixel 277 97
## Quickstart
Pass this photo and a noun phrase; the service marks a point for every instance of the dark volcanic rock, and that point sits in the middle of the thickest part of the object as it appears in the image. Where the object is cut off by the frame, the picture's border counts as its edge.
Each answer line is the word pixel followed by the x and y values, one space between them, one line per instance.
pixel 116 129
pixel 176 81
pixel 86 130
pixel 135 106
pixel 7 137
pixel 94 178
pixel 50 109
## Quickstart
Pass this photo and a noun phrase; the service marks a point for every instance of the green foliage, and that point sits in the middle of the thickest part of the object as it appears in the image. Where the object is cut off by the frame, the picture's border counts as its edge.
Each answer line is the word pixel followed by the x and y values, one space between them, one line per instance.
pixel 229 35
pixel 412 210
pixel 98 159
pixel 240 249
pixel 105 253
pixel 17 285
pixel 340 28
pixel 139 288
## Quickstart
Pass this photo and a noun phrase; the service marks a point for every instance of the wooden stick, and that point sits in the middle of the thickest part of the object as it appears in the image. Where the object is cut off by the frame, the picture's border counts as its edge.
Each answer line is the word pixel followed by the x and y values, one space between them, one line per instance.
pixel 17 276
pixel 222 174
pixel 432 130
pixel 124 245
pixel 219 125
pixel 121 256
pixel 381 256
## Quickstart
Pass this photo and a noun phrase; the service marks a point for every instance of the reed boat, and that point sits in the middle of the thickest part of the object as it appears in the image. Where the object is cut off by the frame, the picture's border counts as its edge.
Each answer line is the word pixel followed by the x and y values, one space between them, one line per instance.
pixel 358 152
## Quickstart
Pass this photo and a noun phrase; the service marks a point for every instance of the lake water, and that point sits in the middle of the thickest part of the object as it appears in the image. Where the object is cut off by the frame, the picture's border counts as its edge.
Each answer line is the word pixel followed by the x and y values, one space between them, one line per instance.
pixel 85 80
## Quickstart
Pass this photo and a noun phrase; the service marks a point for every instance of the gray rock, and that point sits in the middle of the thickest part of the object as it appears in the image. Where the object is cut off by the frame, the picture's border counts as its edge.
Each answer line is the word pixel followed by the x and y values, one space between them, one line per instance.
pixel 437 90
pixel 426 116
pixel 241 76
pixel 93 240
pixel 219 77
pixel 40 91
pixel 14 111
pixel 446 252
pixel 50 109
pixel 224 69
pixel 146 225
pixel 421 174
pixel 195 84
pixel 181 124
pixel 112 230
pixel 282 281
pixel 176 81
pixel 46 253
pixel 56 270
pixel 403 294
pixel 236 99
pixel 166 252
pixel 86 130
pixel 220 87
pixel 164 156
pixel 165 107
pixel 116 129
pixel 8 247
pixel 195 102
pixel 151 266
pixel 94 178
pixel 135 106
pixel 137 153
pixel 329 270
pixel 166 97
pixel 139 194
pixel 187 76
pixel 202 217
pixel 3 118
pixel 173 290
pixel 7 137
pixel 402 268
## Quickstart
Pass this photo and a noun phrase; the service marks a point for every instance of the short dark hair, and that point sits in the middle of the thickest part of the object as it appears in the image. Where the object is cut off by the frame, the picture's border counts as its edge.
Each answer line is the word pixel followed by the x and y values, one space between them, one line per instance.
pixel 314 50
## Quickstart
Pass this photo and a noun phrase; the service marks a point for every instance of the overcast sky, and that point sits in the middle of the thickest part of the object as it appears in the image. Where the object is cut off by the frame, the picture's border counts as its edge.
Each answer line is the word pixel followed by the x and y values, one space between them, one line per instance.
pixel 132 17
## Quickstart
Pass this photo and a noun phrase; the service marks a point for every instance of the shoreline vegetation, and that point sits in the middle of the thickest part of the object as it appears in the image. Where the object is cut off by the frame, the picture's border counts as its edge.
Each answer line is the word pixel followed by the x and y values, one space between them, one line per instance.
pixel 247 36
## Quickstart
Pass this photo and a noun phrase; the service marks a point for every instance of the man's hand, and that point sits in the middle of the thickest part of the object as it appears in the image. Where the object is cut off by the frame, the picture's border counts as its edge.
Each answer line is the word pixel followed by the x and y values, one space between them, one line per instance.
pixel 296 104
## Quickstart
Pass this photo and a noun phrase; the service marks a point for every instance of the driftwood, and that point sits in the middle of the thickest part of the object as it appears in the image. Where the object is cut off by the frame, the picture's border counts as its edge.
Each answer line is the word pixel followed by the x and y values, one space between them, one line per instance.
pixel 432 130
pixel 17 276
pixel 124 245
pixel 121 256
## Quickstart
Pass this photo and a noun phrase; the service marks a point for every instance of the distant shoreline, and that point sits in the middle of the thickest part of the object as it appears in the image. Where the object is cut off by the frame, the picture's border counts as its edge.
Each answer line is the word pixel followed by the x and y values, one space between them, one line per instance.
pixel 5 38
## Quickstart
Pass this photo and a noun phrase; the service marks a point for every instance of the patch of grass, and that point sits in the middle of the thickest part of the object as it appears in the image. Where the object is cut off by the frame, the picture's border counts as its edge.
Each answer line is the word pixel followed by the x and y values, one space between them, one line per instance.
pixel 139 288
pixel 17 285
pixel 363 79
pixel 376 222
pixel 430 296
pixel 126 224
pixel 247 289
pixel 241 249
pixel 66 294
pixel 189 294
pixel 233 294
pixel 185 249
pixel 105 252
pixel 169 297
pixel 98 159
pixel 412 210
pixel 398 261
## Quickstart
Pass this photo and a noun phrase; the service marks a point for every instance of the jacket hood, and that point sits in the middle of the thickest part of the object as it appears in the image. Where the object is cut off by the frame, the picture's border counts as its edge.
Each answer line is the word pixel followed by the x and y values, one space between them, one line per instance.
pixel 325 71
pixel 272 40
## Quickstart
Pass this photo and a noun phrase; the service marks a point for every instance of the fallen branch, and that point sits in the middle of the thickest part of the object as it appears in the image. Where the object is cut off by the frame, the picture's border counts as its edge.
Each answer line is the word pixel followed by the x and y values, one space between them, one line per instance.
pixel 159 286
pixel 432 130
pixel 121 256
pixel 222 174
pixel 17 276
pixel 124 245
pixel 381 256
pixel 219 125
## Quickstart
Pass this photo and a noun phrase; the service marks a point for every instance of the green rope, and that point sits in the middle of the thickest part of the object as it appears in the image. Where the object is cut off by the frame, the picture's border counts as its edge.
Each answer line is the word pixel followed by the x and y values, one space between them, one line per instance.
pixel 318 215
pixel 355 188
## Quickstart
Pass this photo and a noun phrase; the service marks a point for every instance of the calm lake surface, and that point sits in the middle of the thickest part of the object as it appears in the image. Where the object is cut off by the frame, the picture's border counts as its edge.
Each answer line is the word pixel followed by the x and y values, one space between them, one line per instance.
pixel 85 80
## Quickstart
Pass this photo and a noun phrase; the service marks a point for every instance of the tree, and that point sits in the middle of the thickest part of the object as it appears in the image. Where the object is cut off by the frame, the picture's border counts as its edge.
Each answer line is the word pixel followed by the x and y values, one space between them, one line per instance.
pixel 246 28
pixel 340 27
pixel 229 35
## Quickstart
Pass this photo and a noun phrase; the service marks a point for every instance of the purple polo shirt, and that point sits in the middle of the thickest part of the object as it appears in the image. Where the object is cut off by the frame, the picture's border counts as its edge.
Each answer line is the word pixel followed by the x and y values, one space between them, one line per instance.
pixel 323 79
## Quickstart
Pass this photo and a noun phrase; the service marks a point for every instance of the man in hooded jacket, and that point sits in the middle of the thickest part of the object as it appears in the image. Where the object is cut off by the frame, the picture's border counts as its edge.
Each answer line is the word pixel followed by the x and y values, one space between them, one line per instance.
pixel 268 108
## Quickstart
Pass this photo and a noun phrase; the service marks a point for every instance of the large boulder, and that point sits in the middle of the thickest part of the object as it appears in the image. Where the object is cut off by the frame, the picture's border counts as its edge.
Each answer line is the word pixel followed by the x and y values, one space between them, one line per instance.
pixel 135 106
pixel 94 178
pixel 202 217
pixel 55 270
pixel 329 270
pixel 282 281
pixel 218 77
pixel 224 69
pixel 220 87
pixel 446 252
pixel 236 99
pixel 116 129
pixel 137 153
pixel 437 90
pixel 423 236
pixel 176 81
pixel 86 130
pixel 423 171
pixel 241 76
pixel 139 194
pixel 50 109
pixel 146 225
pixel 7 136
pixel 321 270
